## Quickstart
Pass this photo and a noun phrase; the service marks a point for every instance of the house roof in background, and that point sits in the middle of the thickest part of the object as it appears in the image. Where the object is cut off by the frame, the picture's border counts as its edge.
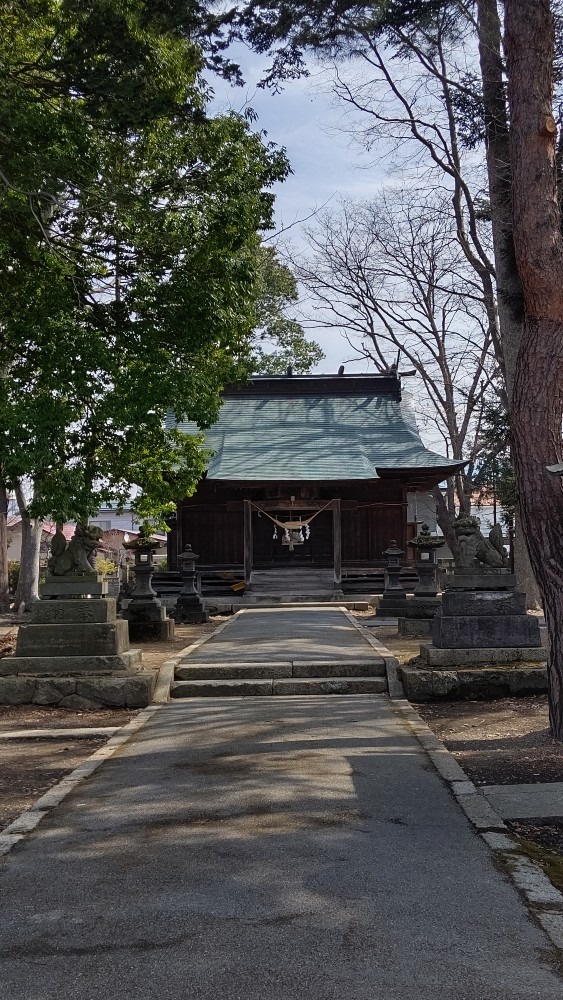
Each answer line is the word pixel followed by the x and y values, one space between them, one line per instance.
pixel 49 527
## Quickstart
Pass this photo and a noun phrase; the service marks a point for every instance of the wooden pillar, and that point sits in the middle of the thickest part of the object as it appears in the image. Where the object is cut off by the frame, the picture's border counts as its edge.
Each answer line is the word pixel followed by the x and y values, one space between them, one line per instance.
pixel 247 543
pixel 404 518
pixel 337 543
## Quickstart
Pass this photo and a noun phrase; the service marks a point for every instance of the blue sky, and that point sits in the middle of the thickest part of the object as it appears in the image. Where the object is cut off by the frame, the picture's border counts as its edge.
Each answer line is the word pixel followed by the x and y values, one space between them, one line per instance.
pixel 304 121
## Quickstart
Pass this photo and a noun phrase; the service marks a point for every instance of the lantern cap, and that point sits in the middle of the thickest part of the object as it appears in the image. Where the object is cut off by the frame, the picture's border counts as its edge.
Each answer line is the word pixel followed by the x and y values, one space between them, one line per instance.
pixel 424 540
pixel 393 549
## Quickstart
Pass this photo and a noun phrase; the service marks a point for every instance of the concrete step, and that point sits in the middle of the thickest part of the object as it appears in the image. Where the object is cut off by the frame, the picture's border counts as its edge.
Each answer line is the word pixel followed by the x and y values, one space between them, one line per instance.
pixel 374 667
pixel 188 670
pixel 331 685
pixel 222 605
pixel 284 686
pixel 220 689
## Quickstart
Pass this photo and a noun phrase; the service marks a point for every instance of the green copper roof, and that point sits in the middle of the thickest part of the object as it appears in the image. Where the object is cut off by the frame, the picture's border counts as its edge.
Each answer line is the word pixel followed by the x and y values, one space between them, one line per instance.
pixel 313 437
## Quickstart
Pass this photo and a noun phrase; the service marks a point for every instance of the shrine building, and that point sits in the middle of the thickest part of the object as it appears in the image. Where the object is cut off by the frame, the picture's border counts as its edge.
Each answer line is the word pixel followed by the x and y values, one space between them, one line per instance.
pixel 308 480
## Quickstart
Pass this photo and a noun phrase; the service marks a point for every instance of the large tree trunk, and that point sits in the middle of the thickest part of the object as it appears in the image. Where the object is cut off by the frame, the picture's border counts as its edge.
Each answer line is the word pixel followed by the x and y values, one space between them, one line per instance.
pixel 525 576
pixel 537 408
pixel 509 287
pixel 27 591
pixel 510 297
pixel 4 577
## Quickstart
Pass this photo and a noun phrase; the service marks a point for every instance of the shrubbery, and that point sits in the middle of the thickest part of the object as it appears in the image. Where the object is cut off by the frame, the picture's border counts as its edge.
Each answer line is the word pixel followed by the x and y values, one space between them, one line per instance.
pixel 13 574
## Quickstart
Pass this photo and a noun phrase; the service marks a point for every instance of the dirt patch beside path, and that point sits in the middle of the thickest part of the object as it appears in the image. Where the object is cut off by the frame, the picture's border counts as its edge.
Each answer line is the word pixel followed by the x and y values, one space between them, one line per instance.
pixel 502 742
pixel 31 767
pixel 507 742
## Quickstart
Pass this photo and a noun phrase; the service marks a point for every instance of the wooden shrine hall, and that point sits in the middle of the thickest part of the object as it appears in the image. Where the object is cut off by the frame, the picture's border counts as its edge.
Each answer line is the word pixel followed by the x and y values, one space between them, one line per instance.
pixel 308 474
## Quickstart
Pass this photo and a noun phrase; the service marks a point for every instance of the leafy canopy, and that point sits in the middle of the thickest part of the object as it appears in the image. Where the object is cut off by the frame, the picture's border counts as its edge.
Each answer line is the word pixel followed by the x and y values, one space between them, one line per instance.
pixel 129 249
pixel 279 342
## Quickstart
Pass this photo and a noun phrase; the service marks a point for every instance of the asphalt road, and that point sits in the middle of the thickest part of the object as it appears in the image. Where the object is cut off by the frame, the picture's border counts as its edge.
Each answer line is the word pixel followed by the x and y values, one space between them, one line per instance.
pixel 265 849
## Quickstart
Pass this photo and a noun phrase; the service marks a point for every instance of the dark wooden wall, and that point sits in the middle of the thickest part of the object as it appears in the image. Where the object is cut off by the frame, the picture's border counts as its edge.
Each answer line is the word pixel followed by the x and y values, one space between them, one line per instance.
pixel 367 531
pixel 212 521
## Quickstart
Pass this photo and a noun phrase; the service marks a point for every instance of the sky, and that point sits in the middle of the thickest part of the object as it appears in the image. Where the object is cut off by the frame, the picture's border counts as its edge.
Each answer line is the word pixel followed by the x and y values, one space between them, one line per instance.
pixel 303 120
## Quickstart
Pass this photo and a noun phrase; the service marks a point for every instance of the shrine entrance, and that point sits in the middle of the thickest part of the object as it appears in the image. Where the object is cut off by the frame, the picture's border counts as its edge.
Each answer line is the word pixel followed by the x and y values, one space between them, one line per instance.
pixel 300 544
pixel 295 534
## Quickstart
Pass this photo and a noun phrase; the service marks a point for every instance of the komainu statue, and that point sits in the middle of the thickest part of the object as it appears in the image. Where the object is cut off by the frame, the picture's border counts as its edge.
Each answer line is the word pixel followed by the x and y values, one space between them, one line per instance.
pixel 474 548
pixel 77 557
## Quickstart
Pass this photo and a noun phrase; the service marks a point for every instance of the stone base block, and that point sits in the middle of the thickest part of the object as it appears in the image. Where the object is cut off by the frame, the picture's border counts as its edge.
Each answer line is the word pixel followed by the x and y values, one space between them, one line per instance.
pixel 479 578
pixel 77 612
pixel 422 607
pixel 485 631
pixel 74 586
pixel 442 659
pixel 392 607
pixel 485 683
pixel 132 690
pixel 93 639
pixel 144 611
pixel 145 631
pixel 415 628
pixel 484 602
pixel 192 617
pixel 70 665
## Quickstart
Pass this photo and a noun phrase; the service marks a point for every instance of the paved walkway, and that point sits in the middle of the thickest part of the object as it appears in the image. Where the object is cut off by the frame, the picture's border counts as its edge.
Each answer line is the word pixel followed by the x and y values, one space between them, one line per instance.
pixel 271 634
pixel 544 799
pixel 265 849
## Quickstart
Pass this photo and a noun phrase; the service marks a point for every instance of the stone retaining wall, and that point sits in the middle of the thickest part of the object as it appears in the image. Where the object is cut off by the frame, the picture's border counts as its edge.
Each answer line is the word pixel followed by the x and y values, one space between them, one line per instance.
pixel 80 693
pixel 479 682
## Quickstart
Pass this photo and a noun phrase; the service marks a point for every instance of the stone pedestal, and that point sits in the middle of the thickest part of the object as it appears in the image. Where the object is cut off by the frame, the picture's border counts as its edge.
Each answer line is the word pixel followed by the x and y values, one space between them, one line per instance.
pixel 421 608
pixel 75 652
pixel 189 607
pixel 149 622
pixel 494 619
pixel 481 610
pixel 145 614
pixel 419 615
pixel 392 605
pixel 483 620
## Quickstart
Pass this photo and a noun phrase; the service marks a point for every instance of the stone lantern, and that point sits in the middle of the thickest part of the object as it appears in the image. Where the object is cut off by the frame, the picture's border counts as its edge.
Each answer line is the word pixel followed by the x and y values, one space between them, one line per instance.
pixel 420 609
pixel 394 600
pixel 426 546
pixel 189 607
pixel 145 614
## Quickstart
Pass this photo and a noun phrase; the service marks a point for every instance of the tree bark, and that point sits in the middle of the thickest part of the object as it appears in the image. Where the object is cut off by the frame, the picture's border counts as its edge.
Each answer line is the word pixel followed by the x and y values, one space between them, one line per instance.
pixel 525 576
pixel 537 405
pixel 510 296
pixel 4 577
pixel 510 301
pixel 27 591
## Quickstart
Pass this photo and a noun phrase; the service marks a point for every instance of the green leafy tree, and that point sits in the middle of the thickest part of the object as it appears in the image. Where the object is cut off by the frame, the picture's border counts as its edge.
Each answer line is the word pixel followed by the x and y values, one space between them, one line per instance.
pixel 495 474
pixel 278 341
pixel 129 241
